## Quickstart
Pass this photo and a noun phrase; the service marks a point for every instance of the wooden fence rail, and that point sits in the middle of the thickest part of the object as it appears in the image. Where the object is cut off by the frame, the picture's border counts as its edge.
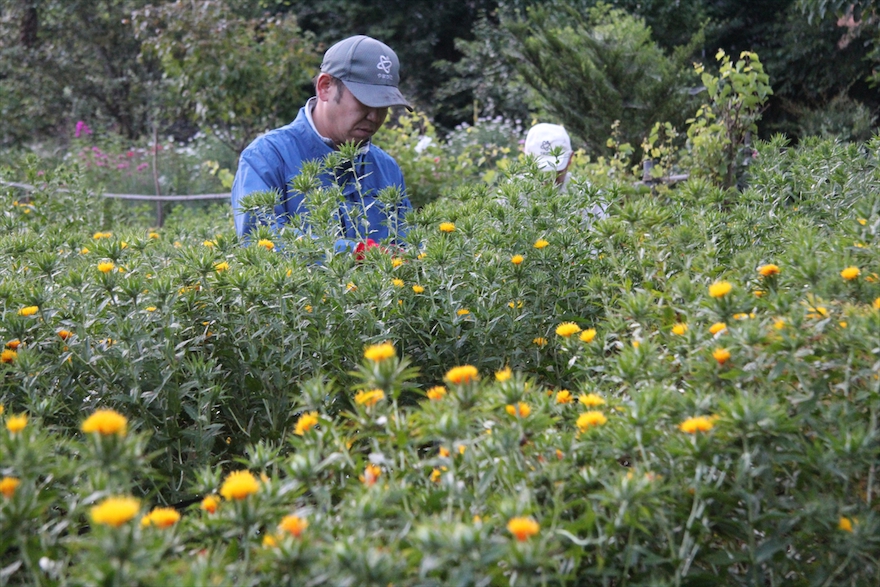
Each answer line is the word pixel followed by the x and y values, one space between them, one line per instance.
pixel 144 197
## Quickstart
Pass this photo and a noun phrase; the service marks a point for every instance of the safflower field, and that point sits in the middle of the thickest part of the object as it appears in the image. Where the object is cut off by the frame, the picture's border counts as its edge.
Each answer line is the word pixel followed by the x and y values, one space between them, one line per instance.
pixel 684 392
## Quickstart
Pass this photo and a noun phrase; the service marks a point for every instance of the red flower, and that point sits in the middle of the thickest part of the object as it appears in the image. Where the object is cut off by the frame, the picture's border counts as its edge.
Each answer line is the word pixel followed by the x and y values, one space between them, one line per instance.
pixel 360 250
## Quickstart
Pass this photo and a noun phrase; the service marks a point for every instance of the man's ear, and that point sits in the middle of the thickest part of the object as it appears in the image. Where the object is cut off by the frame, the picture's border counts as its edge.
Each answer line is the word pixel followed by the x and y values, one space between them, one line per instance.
pixel 324 87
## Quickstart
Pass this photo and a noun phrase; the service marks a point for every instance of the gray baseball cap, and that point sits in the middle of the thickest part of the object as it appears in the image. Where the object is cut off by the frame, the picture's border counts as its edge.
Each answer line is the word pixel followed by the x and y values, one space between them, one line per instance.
pixel 368 68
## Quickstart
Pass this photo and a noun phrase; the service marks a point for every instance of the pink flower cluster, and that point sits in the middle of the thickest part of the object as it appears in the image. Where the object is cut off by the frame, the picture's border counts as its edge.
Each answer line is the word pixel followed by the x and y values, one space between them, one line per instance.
pixel 82 129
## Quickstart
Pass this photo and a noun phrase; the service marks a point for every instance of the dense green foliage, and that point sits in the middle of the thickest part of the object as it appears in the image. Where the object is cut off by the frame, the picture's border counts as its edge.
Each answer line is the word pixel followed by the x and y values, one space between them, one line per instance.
pixel 459 62
pixel 233 77
pixel 589 74
pixel 70 60
pixel 215 353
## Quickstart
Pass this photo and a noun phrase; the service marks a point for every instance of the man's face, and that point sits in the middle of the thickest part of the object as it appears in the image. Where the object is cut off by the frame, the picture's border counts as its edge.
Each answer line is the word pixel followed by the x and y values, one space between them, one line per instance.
pixel 346 118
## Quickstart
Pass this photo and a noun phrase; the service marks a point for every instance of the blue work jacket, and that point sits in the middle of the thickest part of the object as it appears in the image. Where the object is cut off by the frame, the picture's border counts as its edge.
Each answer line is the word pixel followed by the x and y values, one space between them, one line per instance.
pixel 271 161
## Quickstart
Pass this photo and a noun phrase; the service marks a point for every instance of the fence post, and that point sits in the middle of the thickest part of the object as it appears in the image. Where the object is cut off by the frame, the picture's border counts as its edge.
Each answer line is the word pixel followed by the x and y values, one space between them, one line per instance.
pixel 160 219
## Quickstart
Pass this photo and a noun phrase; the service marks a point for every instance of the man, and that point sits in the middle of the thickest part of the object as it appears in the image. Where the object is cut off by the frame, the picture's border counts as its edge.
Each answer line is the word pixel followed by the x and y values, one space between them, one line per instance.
pixel 550 145
pixel 353 91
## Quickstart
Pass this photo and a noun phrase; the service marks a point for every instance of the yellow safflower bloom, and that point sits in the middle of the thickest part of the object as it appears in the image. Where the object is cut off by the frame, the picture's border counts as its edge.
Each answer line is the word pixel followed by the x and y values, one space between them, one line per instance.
pixel 238 485
pixel 29 310
pixel 150 308
pixel 719 289
pixel 850 273
pixel 153 235
pixel 396 262
pixel 591 400
pixel 106 266
pixel 503 375
pixel 818 312
pixel 463 312
pixel 845 524
pixel 105 423
pixel 447 227
pixel 768 270
pixel 437 392
pixel 520 410
pixel 84 251
pixel 8 485
pixel 293 525
pixel 567 329
pixel 266 244
pixel 210 504
pixel 371 475
pixel 680 328
pixel 397 282
pixel 305 423
pixel 876 303
pixel 517 259
pixel 721 355
pixel 369 398
pixel 13 344
pixel 161 517
pixel 462 374
pixel 16 424
pixel 418 289
pixel 115 511
pixel 590 419
pixel 221 266
pixel 539 340
pixel 717 327
pixel 523 528
pixel 564 396
pixel 779 323
pixel 697 424
pixel 435 475
pixel 588 335
pixel 541 243
pixel 64 334
pixel 8 356
pixel 379 352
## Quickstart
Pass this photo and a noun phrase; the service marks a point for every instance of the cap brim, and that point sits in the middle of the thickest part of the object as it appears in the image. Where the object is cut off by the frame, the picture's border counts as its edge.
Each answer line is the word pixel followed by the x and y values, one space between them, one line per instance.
pixel 376 96
pixel 551 163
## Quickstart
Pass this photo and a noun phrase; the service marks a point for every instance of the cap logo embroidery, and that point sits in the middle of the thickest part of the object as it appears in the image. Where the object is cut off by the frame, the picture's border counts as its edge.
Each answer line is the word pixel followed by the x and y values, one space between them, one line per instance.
pixel 545 147
pixel 384 64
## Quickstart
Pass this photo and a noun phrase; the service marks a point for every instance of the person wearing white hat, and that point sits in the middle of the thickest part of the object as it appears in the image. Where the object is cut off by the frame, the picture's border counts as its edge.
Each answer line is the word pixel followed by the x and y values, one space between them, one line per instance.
pixel 550 145
pixel 357 84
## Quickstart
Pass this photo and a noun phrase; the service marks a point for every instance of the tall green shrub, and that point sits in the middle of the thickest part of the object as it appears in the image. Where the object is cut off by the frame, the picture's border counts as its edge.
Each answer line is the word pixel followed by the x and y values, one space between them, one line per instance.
pixel 589 72
pixel 720 132
pixel 233 76
pixel 61 61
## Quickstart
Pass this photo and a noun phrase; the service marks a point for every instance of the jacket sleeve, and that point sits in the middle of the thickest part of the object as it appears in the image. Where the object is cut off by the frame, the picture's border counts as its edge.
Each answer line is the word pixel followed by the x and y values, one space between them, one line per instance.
pixel 256 172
